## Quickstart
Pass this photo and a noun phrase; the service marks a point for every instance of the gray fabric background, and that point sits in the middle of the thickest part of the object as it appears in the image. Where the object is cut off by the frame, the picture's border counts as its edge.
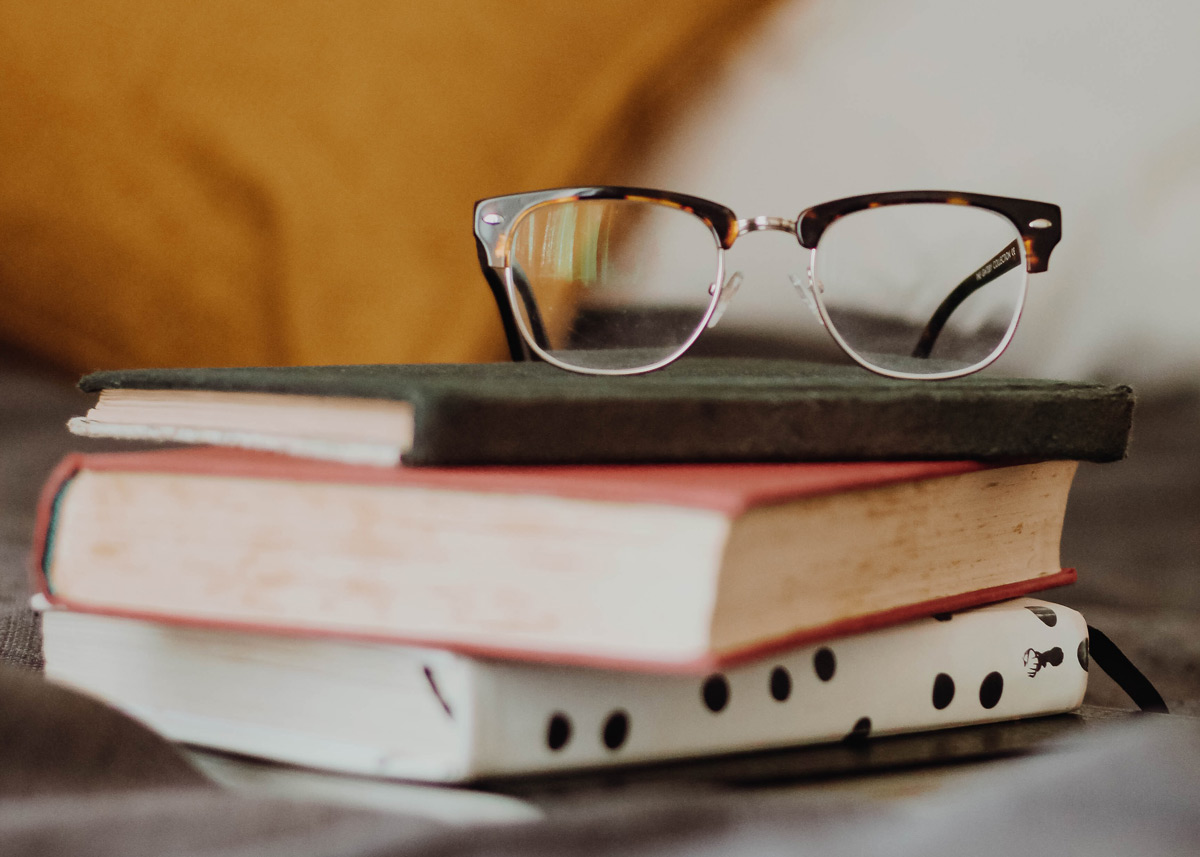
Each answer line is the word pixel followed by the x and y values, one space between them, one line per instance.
pixel 77 778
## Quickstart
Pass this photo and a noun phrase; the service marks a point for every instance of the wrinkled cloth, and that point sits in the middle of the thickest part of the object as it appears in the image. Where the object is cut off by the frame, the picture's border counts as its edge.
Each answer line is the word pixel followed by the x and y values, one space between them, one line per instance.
pixel 79 779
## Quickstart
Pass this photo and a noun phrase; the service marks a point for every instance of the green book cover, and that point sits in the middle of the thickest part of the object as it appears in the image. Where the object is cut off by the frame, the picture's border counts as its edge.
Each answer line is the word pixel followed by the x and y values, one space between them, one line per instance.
pixel 697 410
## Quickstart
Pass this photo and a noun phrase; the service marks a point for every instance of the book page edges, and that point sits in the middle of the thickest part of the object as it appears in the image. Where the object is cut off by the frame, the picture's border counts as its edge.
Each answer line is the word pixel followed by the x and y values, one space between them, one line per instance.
pixel 425 741
pixel 906 543
pixel 370 420
pixel 343 451
pixel 329 559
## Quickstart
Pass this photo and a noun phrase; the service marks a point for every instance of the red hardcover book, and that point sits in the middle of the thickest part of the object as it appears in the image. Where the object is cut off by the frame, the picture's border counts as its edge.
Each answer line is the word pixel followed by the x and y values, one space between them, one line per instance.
pixel 667 567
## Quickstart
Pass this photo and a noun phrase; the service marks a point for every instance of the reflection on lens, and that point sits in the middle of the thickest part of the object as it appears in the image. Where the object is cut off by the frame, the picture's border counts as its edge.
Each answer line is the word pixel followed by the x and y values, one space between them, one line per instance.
pixel 612 284
pixel 922 289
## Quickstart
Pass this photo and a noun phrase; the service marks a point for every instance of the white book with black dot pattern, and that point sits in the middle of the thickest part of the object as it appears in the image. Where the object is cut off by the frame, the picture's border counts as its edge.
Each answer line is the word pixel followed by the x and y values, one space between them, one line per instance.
pixel 412 713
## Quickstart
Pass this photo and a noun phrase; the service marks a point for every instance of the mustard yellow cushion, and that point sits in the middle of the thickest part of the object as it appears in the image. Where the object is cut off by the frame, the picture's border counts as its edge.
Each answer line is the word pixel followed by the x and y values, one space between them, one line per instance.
pixel 254 182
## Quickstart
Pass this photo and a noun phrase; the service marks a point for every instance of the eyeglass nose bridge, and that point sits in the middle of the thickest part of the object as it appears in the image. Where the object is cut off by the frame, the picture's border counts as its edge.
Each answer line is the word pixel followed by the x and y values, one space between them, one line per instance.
pixel 766 224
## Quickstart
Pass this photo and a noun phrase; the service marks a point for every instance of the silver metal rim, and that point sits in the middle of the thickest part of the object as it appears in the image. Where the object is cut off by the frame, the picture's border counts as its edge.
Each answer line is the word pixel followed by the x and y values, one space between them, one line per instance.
pixel 817 292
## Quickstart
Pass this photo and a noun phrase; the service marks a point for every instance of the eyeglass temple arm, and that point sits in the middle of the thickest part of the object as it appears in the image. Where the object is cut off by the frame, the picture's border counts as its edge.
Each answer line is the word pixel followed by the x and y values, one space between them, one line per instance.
pixel 1005 260
pixel 517 348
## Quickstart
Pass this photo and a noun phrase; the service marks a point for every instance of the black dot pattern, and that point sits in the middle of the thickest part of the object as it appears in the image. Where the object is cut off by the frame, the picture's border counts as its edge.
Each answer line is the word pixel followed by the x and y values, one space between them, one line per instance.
pixel 1045 614
pixel 860 732
pixel 781 684
pixel 1083 654
pixel 991 690
pixel 825 664
pixel 558 731
pixel 616 729
pixel 943 691
pixel 943 617
pixel 715 692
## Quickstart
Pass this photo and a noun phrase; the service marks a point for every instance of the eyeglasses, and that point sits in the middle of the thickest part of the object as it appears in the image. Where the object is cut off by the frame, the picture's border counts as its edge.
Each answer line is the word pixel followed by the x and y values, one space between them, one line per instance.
pixel 617 280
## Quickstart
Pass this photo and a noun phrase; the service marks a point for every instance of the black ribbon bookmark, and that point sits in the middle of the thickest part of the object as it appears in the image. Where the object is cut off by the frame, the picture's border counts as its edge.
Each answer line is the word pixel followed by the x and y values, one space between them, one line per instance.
pixel 1112 660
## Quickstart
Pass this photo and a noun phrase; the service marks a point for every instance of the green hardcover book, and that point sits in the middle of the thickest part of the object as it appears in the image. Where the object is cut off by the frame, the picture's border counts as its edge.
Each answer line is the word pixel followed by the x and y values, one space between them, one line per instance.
pixel 697 410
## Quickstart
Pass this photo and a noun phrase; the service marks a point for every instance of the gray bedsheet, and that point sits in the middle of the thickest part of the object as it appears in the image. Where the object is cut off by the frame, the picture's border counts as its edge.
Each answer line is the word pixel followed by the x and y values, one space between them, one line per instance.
pixel 77 778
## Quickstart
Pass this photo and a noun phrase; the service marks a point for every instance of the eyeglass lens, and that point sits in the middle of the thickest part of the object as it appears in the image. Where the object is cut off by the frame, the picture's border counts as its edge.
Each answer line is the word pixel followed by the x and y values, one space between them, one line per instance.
pixel 621 284
pixel 921 288
pixel 612 283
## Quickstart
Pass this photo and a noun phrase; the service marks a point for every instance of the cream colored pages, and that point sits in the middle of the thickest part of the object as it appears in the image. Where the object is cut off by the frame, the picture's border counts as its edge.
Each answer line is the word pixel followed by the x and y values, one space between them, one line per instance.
pixel 349 430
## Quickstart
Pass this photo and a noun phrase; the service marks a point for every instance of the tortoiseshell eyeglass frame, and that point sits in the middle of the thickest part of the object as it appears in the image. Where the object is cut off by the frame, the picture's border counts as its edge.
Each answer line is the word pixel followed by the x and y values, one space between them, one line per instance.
pixel 1037 223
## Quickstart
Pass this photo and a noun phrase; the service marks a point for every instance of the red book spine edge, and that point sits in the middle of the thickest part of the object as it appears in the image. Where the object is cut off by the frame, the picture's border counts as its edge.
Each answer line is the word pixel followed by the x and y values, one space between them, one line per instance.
pixel 70 465
pixel 727 488
pixel 55 483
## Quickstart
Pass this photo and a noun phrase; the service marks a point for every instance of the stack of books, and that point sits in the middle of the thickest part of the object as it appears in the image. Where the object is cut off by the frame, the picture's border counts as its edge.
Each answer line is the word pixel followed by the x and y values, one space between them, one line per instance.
pixel 456 573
